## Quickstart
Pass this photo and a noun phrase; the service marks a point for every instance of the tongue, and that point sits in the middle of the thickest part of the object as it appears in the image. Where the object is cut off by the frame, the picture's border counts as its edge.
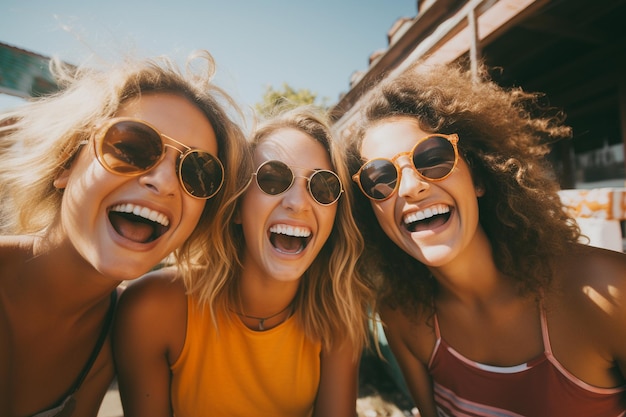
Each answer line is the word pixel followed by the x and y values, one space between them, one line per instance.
pixel 427 224
pixel 136 231
pixel 287 244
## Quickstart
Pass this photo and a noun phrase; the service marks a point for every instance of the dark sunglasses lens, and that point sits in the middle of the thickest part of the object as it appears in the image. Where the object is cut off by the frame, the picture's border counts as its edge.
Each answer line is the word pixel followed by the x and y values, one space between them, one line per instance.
pixel 378 179
pixel 325 187
pixel 129 147
pixel 201 174
pixel 274 177
pixel 434 157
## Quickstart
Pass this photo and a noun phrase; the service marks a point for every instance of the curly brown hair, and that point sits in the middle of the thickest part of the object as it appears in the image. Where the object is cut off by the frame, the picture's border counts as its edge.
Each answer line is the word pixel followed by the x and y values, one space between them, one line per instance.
pixel 505 136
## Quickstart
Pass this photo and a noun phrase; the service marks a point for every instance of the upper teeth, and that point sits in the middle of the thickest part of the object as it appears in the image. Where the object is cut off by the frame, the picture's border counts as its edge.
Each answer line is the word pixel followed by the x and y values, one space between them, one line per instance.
pixel 144 212
pixel 426 213
pixel 296 231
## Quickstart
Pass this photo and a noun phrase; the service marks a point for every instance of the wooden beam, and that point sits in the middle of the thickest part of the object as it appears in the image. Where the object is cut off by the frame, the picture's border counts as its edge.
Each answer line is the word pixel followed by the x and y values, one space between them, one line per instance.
pixel 622 111
pixel 475 52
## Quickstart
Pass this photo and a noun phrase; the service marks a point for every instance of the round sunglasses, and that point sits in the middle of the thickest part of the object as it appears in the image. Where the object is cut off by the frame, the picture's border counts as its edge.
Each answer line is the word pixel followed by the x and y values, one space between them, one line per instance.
pixel 127 146
pixel 433 157
pixel 275 177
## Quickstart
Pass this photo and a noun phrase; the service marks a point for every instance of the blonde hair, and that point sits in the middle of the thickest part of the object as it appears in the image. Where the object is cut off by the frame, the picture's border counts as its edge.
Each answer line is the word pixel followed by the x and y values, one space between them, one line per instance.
pixel 332 297
pixel 42 137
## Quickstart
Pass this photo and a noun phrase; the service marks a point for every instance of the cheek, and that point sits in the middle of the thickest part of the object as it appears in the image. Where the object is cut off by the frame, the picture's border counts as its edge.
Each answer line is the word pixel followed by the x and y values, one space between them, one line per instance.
pixel 193 211
pixel 327 219
pixel 86 185
pixel 87 175
pixel 252 212
pixel 384 213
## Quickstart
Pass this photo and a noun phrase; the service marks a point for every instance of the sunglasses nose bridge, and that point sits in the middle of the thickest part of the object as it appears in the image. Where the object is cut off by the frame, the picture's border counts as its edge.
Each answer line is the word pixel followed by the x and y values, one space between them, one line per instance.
pixel 163 177
pixel 176 157
pixel 402 160
pixel 298 195
pixel 300 181
pixel 410 181
pixel 176 147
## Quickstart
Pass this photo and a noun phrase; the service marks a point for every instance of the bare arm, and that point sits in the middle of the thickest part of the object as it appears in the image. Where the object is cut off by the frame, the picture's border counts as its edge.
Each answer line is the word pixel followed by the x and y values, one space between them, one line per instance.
pixel 338 382
pixel 148 336
pixel 587 315
pixel 609 294
pixel 402 336
pixel 89 396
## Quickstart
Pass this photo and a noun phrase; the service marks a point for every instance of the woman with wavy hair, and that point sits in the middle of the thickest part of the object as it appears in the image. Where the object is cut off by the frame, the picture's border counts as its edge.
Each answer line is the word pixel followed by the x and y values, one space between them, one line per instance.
pixel 490 305
pixel 274 321
pixel 99 184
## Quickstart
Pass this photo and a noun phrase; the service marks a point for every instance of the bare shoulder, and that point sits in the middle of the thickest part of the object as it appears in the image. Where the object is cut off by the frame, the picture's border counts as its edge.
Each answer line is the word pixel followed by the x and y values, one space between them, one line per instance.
pixel 591 266
pixel 400 320
pixel 155 288
pixel 155 303
pixel 14 252
pixel 12 247
pixel 593 280
pixel 586 312
pixel 415 332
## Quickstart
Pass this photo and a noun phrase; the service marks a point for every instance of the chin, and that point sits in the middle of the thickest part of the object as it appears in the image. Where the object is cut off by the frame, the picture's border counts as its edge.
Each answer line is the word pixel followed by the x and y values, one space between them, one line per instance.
pixel 121 272
pixel 435 257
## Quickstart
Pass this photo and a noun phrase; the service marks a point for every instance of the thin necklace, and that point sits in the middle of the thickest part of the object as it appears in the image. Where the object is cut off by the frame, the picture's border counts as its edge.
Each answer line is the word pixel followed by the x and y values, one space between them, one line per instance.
pixel 262 319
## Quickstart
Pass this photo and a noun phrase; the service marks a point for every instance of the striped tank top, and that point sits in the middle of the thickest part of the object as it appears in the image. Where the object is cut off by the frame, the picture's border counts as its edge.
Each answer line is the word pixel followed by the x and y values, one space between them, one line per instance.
pixel 541 387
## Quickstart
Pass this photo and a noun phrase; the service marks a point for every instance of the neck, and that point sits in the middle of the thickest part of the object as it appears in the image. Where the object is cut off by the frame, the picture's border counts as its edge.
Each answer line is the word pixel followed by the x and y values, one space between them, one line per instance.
pixel 57 279
pixel 263 323
pixel 262 305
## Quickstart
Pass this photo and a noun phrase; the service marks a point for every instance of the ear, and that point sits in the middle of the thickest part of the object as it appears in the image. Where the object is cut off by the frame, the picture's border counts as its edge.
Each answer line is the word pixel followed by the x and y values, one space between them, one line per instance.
pixel 237 216
pixel 479 190
pixel 60 182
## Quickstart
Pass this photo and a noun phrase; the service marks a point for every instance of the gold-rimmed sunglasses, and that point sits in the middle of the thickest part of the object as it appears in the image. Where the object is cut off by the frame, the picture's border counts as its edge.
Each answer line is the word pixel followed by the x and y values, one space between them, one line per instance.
pixel 131 147
pixel 433 158
pixel 275 177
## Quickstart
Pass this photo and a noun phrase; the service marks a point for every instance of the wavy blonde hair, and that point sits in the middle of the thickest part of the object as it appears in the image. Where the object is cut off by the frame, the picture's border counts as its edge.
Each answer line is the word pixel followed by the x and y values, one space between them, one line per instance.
pixel 333 297
pixel 42 137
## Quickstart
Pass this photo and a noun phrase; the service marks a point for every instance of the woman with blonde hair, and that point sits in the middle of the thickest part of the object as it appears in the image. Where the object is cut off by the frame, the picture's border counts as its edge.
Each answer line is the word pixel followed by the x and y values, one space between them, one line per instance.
pixel 275 323
pixel 100 183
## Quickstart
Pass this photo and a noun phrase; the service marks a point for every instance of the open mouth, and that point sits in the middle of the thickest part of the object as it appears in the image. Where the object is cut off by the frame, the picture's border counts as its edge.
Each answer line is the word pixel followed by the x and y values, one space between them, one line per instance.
pixel 427 219
pixel 137 223
pixel 289 239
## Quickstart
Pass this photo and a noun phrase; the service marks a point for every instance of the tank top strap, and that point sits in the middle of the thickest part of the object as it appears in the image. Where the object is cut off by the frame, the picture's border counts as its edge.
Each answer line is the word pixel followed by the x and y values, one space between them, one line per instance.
pixel 438 340
pixel 547 347
pixel 436 325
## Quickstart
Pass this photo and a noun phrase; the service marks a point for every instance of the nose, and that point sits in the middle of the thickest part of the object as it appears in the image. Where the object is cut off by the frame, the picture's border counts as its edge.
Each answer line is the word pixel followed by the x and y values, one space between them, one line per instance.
pixel 163 178
pixel 411 184
pixel 297 197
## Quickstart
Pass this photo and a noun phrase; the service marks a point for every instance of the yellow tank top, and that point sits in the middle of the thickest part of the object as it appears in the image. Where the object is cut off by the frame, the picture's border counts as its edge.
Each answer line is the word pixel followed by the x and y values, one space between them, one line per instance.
pixel 234 371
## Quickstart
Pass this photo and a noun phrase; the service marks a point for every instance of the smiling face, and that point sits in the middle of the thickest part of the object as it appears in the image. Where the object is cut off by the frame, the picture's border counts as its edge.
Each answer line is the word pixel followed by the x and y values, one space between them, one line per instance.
pixel 124 225
pixel 431 221
pixel 284 233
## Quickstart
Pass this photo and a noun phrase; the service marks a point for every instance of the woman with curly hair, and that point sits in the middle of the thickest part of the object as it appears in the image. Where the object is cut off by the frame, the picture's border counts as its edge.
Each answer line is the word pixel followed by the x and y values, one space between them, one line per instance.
pixel 99 184
pixel 490 305
pixel 274 320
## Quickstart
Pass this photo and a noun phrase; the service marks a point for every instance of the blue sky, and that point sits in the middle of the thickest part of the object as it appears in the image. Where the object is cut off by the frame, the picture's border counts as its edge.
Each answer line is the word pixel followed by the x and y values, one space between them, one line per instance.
pixel 315 44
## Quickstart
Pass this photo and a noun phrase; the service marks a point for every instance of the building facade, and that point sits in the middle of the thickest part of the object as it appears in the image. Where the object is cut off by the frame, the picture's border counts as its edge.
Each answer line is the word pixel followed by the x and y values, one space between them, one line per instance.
pixel 572 50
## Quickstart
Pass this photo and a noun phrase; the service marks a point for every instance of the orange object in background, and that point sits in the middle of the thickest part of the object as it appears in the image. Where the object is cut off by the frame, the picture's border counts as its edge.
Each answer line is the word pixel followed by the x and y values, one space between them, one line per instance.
pixel 599 213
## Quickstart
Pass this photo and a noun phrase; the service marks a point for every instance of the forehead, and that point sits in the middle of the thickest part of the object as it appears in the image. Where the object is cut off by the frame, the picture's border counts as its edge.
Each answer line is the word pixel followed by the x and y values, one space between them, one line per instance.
pixel 173 115
pixel 391 136
pixel 293 147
